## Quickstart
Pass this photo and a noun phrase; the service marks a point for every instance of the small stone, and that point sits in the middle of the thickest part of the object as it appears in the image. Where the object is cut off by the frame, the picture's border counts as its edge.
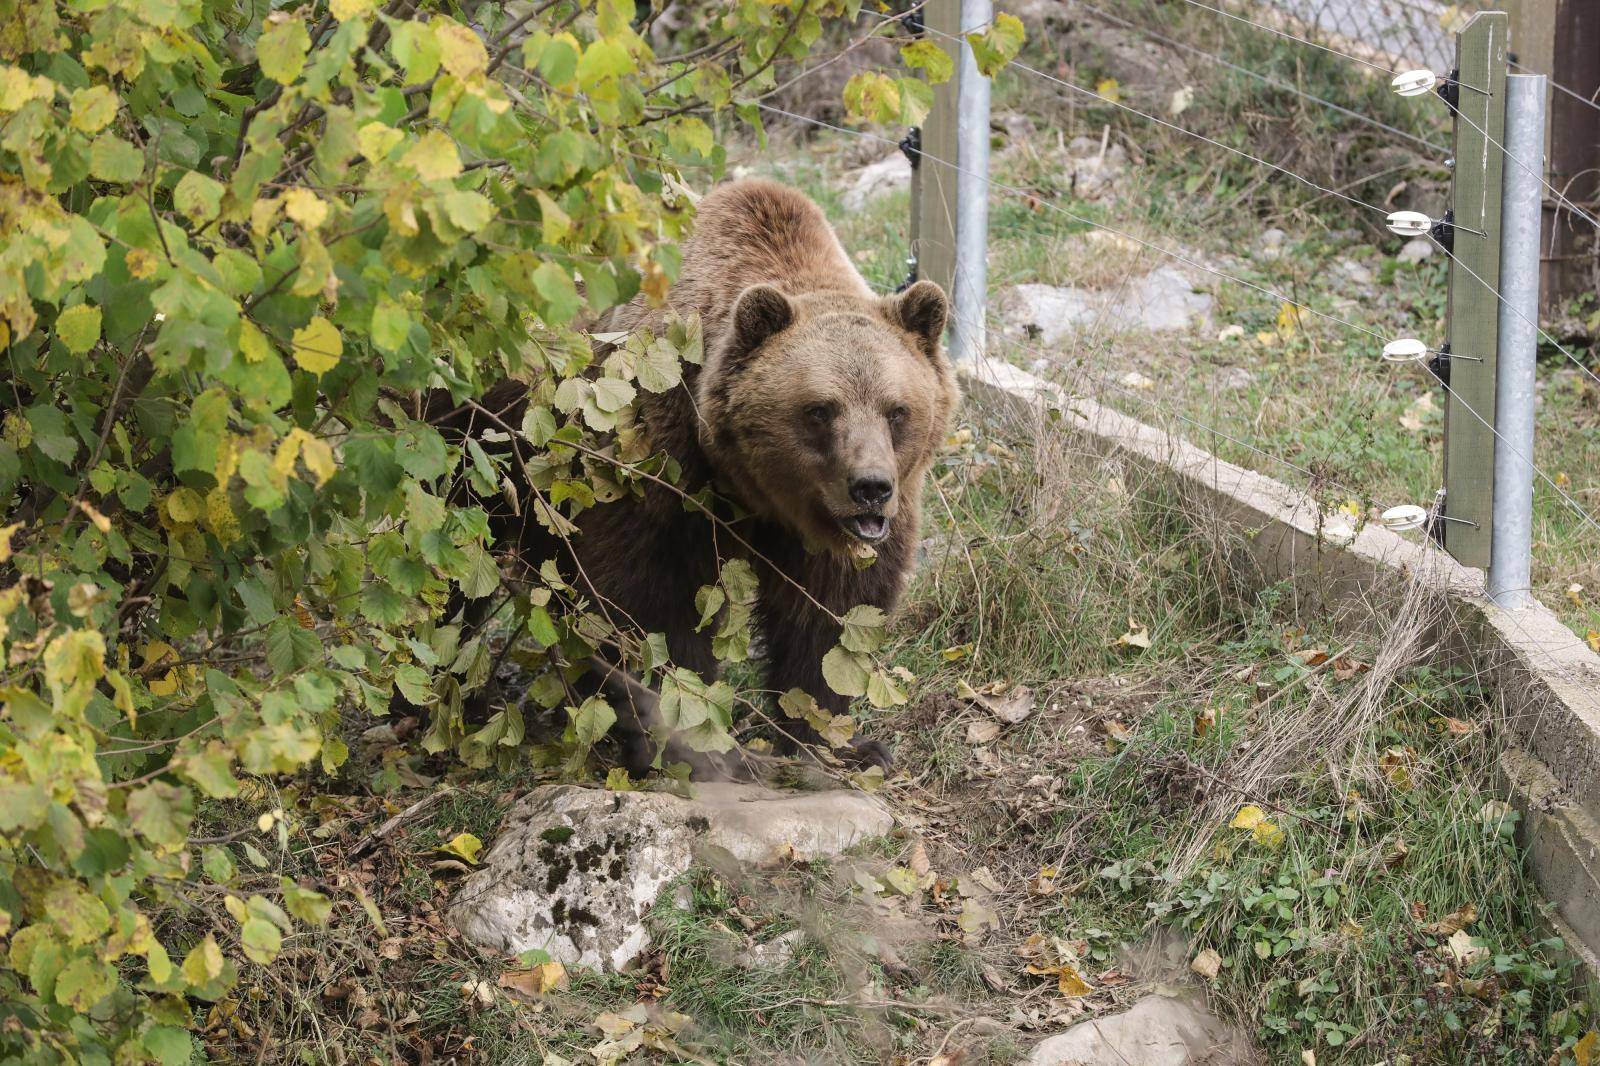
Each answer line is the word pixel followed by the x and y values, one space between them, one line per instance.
pixel 1416 250
pixel 1270 244
pixel 1155 1031
pixel 1359 273
pixel 1234 378
pixel 771 955
pixel 877 179
pixel 1231 332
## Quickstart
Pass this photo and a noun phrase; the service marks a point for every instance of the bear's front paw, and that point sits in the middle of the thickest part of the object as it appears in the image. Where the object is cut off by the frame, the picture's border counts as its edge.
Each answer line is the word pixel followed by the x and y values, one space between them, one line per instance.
pixel 871 753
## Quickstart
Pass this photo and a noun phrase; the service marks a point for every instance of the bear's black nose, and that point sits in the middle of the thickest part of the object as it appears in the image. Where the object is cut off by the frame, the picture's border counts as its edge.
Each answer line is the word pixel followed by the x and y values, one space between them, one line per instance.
pixel 873 490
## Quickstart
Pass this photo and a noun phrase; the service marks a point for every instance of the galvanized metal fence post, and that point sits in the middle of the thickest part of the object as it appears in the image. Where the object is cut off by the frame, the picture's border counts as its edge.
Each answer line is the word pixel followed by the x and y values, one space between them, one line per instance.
pixel 1521 208
pixel 971 279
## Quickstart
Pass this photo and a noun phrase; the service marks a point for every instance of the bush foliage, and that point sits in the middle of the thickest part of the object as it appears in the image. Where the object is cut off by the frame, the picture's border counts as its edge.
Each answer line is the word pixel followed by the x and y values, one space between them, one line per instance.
pixel 240 244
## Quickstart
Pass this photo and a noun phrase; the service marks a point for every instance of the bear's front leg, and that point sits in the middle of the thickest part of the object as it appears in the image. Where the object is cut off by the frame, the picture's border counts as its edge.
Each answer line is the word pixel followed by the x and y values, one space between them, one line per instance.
pixel 797 635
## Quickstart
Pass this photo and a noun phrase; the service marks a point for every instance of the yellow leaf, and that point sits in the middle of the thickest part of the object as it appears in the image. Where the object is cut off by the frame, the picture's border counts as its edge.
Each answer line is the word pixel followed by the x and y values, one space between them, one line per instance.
pixel 253 344
pixel 464 846
pixel 6 533
pixel 141 264
pixel 1288 320
pixel 535 981
pixel 184 505
pixel 305 207
pixel 433 157
pixel 377 140
pixel 1248 817
pixel 461 51
pixel 1137 636
pixel 345 10
pixel 317 346
pixel 1583 1050
pixel 1109 91
pixel 1593 636
pixel 263 213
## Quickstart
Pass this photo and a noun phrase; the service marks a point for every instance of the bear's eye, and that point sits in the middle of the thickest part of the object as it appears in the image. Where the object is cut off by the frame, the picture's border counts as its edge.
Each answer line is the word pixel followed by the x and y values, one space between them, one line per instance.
pixel 820 413
pixel 896 415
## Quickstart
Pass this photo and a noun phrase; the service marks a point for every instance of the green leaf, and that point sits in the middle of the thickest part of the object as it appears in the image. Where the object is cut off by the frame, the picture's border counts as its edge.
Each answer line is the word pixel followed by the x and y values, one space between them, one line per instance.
pixel 997 45
pixel 865 629
pixel 83 982
pixel 161 812
pixel 211 770
pixel 846 672
pixel 291 646
pixel 309 906
pixel 554 284
pixel 591 721
pixel 198 196
pixel 930 57
pixel 78 327
pixel 390 324
pixel 282 46
pixel 260 939
pixel 113 159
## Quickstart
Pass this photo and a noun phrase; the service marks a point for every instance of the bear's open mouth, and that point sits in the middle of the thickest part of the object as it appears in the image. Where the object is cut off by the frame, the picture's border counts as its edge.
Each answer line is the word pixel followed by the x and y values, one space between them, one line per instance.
pixel 868 527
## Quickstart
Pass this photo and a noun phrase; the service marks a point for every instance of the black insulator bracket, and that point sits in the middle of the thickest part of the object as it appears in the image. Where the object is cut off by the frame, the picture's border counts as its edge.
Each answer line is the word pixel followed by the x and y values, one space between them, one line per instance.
pixel 1444 232
pixel 1449 90
pixel 1439 364
pixel 911 146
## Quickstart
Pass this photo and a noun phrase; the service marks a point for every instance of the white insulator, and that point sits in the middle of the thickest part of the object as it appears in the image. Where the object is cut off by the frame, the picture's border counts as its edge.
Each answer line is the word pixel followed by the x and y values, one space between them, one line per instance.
pixel 1404 517
pixel 1414 82
pixel 1404 350
pixel 1409 223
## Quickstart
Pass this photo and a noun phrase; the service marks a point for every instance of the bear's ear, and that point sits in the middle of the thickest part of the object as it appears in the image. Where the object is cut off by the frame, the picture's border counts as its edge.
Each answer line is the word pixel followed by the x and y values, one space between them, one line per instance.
pixel 922 309
pixel 758 313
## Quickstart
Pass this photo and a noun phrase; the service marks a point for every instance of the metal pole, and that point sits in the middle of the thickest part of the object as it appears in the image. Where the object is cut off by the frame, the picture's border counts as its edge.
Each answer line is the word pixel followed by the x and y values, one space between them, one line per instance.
pixel 972 194
pixel 1511 545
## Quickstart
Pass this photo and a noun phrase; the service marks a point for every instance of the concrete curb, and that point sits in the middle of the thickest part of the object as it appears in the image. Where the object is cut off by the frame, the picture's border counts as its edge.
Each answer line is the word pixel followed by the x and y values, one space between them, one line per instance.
pixel 1544 680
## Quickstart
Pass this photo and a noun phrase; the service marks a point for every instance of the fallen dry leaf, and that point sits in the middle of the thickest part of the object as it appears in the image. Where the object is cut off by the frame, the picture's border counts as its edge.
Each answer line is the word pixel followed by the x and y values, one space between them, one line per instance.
pixel 982 730
pixel 1207 963
pixel 1137 636
pixel 534 982
pixel 1453 922
pixel 1464 947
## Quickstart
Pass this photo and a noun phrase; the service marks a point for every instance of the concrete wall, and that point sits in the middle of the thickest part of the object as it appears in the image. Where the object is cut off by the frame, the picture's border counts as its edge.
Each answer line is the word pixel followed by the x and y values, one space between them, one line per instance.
pixel 1544 680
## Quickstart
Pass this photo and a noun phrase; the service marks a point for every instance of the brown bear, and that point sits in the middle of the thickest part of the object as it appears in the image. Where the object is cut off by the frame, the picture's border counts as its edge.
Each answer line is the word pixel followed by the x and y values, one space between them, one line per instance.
pixel 818 410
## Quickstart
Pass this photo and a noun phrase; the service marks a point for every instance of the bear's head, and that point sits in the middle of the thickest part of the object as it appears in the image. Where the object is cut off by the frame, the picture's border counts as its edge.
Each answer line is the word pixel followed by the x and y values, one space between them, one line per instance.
pixel 822 411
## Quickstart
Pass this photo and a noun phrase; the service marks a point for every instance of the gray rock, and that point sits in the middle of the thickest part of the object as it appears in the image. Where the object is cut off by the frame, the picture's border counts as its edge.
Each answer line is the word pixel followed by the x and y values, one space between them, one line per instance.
pixel 1359 273
pixel 1094 166
pixel 1234 378
pixel 1416 250
pixel 1270 244
pixel 876 179
pixel 1156 1031
pixel 1160 301
pixel 1164 300
pixel 771 955
pixel 577 869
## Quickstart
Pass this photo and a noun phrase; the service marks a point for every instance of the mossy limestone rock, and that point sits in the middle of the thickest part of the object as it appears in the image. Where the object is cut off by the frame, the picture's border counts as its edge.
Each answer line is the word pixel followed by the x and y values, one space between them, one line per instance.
pixel 577 869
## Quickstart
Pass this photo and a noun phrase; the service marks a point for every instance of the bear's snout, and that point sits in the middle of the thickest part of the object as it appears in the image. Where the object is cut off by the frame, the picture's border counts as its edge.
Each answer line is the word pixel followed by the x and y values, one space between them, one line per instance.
pixel 871 490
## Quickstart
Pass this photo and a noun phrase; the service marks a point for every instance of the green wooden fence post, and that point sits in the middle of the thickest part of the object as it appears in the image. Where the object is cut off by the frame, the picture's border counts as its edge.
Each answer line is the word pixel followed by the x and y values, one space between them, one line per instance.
pixel 934 197
pixel 1474 307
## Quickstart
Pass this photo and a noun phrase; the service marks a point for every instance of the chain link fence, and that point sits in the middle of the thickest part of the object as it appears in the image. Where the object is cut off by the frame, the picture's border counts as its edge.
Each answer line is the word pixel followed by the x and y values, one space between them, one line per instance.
pixel 1396 32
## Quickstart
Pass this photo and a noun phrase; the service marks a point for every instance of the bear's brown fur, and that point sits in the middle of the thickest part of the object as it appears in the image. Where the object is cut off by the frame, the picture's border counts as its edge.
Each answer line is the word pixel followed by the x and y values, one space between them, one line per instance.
pixel 816 398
